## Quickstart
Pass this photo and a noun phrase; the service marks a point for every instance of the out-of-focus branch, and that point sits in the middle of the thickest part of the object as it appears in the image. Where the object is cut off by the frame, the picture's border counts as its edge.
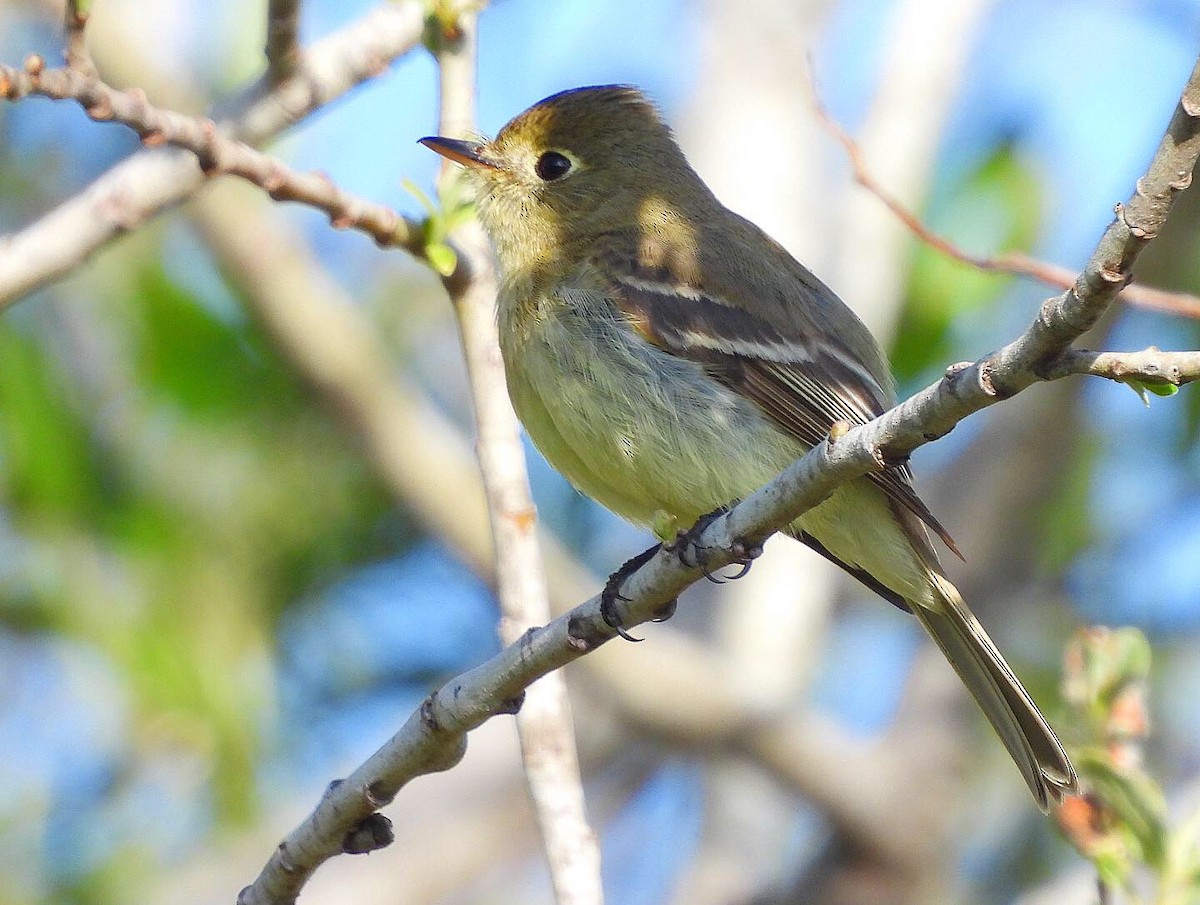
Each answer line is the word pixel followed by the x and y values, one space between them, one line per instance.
pixel 151 181
pixel 216 153
pixel 1013 262
pixel 75 23
pixel 916 77
pixel 544 722
pixel 283 39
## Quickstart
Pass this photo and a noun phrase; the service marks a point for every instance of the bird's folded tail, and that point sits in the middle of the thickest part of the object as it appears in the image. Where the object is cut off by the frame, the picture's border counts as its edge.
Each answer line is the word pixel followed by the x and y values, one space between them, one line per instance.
pixel 1000 695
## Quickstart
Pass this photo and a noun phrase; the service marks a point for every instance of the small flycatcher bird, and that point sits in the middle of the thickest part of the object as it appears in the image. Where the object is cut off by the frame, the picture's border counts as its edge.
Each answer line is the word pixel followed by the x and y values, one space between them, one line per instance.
pixel 668 357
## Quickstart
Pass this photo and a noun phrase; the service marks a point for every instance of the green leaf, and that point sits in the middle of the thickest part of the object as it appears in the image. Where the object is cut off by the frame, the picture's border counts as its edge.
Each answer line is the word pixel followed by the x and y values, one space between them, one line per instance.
pixel 1135 800
pixel 50 467
pixel 426 202
pixel 988 211
pixel 441 258
pixel 1063 524
pixel 202 360
pixel 1157 387
pixel 456 208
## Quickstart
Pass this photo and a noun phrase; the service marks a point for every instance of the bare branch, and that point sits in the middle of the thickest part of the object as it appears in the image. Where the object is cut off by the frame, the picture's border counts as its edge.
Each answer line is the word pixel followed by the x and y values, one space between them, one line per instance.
pixel 434 737
pixel 544 722
pixel 150 182
pixel 1150 366
pixel 75 23
pixel 921 62
pixel 283 39
pixel 1012 262
pixel 216 153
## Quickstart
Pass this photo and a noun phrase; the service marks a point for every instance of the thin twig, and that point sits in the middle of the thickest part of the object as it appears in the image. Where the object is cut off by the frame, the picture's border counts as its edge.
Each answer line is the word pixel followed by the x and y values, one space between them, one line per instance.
pixel 1010 262
pixel 283 39
pixel 544 723
pixel 75 22
pixel 149 182
pixel 434 738
pixel 1150 366
pixel 921 63
pixel 216 153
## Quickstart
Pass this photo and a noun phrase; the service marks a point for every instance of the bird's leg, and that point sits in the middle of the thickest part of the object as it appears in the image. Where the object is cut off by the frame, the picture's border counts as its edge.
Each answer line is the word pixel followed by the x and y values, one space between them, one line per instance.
pixel 686 546
pixel 612 593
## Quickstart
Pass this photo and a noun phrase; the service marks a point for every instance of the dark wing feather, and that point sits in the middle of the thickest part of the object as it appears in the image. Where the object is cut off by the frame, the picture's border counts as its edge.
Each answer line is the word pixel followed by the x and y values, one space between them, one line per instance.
pixel 803 383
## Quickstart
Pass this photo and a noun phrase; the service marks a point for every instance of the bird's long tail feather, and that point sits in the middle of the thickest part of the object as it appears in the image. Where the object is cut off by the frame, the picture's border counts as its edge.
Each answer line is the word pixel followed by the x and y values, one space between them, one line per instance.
pixel 999 693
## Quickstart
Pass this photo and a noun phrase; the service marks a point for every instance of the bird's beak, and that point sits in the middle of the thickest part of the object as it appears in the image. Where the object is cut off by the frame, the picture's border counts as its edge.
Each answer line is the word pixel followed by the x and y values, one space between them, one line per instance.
pixel 468 153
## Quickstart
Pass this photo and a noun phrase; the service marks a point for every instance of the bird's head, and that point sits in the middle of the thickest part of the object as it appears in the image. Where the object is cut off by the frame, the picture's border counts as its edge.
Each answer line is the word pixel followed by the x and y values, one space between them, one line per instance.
pixel 573 166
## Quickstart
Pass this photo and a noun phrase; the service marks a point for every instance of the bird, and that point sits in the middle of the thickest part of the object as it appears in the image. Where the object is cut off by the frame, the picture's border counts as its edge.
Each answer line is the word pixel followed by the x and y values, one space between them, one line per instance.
pixel 668 358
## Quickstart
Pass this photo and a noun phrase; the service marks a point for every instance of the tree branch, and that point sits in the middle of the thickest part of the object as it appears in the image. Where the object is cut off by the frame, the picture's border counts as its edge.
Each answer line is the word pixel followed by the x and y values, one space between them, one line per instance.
pixel 544 724
pixel 75 23
pixel 283 39
pixel 1150 366
pixel 152 181
pixel 1012 262
pixel 216 153
pixel 434 738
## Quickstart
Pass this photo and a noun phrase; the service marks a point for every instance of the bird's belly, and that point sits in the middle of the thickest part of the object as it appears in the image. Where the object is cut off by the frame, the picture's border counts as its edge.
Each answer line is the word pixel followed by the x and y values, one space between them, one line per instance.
pixel 646 433
pixel 639 430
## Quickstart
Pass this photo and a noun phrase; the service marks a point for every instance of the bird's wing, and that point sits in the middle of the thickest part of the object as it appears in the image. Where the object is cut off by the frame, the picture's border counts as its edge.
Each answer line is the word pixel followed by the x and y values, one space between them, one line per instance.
pixel 804 382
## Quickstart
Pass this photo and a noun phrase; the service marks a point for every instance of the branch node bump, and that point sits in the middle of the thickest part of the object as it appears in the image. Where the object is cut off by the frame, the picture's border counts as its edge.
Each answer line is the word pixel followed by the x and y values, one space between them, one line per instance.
pixel 376 66
pixel 448 758
pixel 1189 106
pixel 582 634
pixel 1115 276
pixel 376 795
pixel 526 641
pixel 985 379
pixel 524 518
pixel 101 110
pixel 428 718
pixel 286 864
pixel 372 833
pixel 343 219
pixel 957 368
pixel 837 430
pixel 34 66
pixel 154 138
pixel 1181 182
pixel 512 705
pixel 274 181
pixel 208 156
pixel 387 227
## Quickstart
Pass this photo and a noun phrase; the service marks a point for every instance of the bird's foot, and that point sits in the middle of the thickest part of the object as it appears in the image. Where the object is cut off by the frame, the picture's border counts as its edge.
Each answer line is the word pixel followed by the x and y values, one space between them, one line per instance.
pixel 692 554
pixel 612 593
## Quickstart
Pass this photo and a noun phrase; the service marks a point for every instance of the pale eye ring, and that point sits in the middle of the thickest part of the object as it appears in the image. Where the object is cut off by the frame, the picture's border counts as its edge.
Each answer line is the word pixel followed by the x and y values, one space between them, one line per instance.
pixel 552 165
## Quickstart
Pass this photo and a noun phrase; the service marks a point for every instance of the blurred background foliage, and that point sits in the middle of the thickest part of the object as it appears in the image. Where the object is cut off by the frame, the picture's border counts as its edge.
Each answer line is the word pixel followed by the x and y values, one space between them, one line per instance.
pixel 211 605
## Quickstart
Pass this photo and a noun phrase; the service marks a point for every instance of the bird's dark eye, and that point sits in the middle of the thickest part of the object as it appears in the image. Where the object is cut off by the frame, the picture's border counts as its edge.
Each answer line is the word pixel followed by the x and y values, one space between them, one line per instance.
pixel 551 166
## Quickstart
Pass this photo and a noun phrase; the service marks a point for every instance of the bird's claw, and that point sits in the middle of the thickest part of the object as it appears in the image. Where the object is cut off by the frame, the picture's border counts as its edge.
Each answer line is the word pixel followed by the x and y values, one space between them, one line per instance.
pixel 612 593
pixel 686 546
